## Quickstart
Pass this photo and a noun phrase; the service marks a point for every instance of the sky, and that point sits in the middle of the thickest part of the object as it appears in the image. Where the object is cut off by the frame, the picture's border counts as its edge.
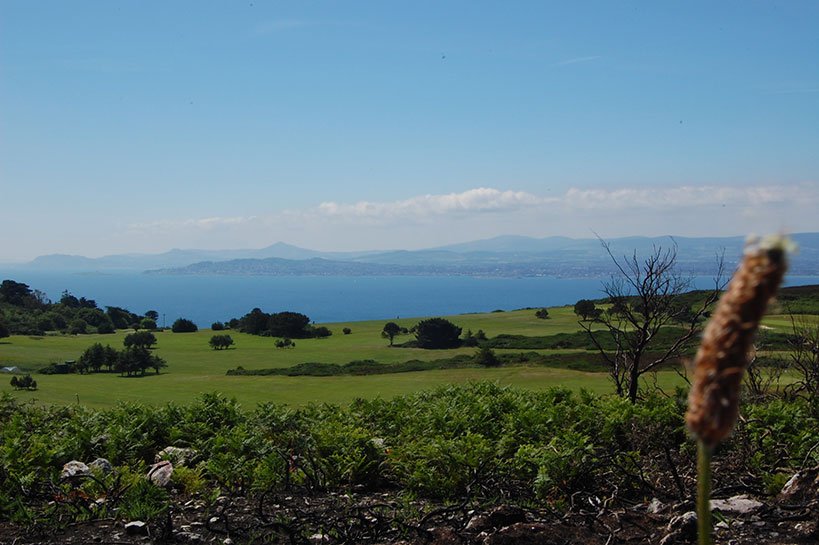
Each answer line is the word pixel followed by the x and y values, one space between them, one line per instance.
pixel 144 126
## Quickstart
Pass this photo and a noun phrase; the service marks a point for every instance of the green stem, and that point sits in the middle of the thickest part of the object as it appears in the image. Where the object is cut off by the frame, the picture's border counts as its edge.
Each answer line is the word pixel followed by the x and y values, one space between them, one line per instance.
pixel 704 493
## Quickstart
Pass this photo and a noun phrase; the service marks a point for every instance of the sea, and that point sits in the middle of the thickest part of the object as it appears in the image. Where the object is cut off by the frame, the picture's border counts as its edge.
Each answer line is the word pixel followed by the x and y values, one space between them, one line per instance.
pixel 209 298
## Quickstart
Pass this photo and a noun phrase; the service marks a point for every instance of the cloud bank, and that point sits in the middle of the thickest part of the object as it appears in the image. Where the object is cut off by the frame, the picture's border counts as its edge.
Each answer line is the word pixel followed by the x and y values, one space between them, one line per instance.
pixel 434 219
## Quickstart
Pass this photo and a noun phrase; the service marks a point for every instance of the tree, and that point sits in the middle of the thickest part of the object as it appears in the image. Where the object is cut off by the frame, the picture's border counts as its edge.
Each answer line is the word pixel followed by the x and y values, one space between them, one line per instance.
pixel 77 327
pixel 93 358
pixel 152 314
pixel 289 324
pixel 183 325
pixel 4 330
pixel 647 293
pixel 147 323
pixel 254 322
pixel 120 317
pixel 585 309
pixel 391 329
pixel 220 342
pixel 346 330
pixel 217 326
pixel 140 339
pixel 285 343
pixel 542 313
pixel 320 332
pixel 106 327
pixel 14 293
pixel 804 344
pixel 486 356
pixel 136 360
pixel 437 333
pixel 24 383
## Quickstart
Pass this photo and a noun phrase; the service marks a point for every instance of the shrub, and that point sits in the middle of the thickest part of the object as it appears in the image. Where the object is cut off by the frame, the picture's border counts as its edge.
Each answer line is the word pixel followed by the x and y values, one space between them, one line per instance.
pixel 437 333
pixel 183 325
pixel 217 326
pixel 221 342
pixel 346 330
pixel 542 313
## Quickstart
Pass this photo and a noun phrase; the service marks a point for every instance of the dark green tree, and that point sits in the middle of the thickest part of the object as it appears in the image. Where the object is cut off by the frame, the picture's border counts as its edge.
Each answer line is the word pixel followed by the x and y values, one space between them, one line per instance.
pixel 391 329
pixel 486 356
pixel 221 342
pixel 254 322
pixel 437 333
pixel 152 314
pixel 542 313
pixel 183 325
pixel 289 324
pixel 585 309
pixel 4 330
pixel 140 339
pixel 120 317
pixel 77 327
pixel 93 358
pixel 147 323
pixel 14 293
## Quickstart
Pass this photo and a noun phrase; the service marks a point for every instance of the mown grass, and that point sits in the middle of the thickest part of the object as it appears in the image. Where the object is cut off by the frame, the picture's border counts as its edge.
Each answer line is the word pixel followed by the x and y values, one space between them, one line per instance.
pixel 194 368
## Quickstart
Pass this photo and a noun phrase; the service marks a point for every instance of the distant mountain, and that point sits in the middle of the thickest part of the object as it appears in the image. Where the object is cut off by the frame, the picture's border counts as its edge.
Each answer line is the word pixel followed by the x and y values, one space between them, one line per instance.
pixel 499 256
pixel 178 258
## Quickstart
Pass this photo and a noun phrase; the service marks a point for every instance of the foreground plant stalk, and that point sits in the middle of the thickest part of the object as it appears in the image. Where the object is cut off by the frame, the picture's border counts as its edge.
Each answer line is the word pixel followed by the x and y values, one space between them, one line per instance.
pixel 713 403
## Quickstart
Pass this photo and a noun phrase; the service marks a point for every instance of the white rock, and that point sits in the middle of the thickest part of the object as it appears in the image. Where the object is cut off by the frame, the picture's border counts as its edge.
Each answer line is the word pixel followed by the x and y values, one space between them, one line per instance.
pixel 160 473
pixel 655 506
pixel 74 468
pixel 136 528
pixel 740 505
pixel 102 465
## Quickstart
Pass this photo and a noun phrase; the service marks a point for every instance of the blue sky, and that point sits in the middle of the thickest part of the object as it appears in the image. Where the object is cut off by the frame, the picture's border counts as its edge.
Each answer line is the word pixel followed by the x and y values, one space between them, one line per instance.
pixel 143 126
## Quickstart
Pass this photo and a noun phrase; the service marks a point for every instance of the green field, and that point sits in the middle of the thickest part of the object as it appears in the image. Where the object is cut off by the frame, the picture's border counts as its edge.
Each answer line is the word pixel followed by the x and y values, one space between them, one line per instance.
pixel 194 368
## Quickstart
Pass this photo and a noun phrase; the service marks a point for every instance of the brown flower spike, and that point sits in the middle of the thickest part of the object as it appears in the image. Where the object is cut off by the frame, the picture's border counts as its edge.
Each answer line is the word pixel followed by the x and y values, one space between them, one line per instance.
pixel 728 337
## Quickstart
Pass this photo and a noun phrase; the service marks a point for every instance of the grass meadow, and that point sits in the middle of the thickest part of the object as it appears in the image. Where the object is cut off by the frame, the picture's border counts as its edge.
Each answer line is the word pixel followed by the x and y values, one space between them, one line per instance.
pixel 194 368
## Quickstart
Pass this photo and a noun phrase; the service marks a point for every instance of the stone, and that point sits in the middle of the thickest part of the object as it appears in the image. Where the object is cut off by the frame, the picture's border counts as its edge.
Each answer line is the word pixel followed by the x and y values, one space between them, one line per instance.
pixel 681 528
pixel 227 541
pixel 176 455
pixel 188 537
pixel 737 505
pixel 136 528
pixel 101 465
pixel 803 486
pixel 655 506
pixel 318 538
pixel 160 473
pixel 444 536
pixel 522 533
pixel 74 468
pixel 478 523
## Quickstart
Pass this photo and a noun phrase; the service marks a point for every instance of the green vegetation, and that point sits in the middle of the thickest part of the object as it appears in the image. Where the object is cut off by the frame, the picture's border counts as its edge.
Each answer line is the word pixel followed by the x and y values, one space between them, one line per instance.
pixel 221 342
pixel 183 325
pixel 479 441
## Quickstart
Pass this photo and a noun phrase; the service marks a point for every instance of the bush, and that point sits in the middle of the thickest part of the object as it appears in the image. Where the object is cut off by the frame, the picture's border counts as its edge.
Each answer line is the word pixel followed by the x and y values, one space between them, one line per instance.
pixel 183 325
pixel 217 326
pixel 141 339
pixel 320 332
pixel 346 330
pixel 437 333
pixel 486 357
pixel 543 314
pixel 221 342
pixel 285 343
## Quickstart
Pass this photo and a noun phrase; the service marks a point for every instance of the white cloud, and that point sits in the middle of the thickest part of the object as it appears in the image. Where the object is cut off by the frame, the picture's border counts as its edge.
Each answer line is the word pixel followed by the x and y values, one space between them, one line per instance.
pixel 200 223
pixel 577 60
pixel 478 200
pixel 688 196
pixel 435 219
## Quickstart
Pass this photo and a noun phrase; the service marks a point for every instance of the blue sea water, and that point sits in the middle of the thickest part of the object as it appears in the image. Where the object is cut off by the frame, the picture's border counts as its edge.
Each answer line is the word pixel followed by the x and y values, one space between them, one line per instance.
pixel 205 299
